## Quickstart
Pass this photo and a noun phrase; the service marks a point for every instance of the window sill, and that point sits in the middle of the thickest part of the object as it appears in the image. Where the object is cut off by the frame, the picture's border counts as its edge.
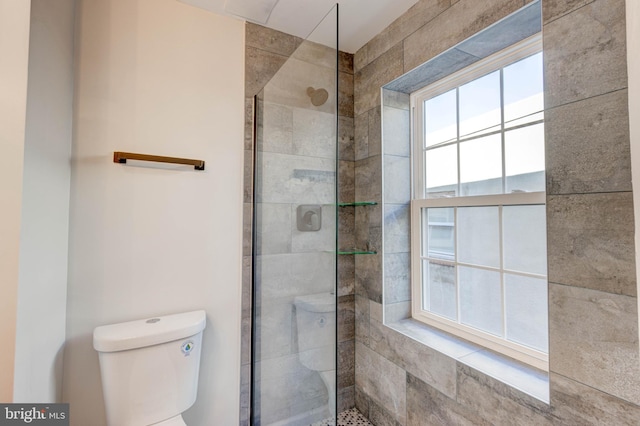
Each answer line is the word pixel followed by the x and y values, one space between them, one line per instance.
pixel 522 377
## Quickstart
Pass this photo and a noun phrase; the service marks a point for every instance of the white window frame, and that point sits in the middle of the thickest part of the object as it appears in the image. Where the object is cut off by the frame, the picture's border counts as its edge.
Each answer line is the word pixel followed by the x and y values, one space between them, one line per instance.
pixel 419 201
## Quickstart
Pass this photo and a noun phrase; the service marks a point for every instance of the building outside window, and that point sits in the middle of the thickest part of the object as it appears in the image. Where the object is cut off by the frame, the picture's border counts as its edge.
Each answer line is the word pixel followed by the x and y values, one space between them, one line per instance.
pixel 479 263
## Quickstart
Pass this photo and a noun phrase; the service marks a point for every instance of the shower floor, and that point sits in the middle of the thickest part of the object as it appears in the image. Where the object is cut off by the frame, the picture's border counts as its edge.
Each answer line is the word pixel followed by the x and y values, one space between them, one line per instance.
pixel 350 417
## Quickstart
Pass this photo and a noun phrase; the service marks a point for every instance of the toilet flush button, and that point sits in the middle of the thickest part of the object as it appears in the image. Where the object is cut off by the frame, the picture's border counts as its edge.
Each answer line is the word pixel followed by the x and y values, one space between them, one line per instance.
pixel 153 320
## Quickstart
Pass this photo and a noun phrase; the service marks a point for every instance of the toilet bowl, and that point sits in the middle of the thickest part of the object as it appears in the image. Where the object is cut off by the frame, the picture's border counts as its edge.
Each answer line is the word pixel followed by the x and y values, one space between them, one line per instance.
pixel 149 368
pixel 316 321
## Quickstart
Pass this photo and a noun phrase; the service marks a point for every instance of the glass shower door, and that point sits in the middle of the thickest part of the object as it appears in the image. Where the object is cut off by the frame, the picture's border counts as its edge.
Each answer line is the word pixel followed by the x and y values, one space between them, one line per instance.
pixel 294 241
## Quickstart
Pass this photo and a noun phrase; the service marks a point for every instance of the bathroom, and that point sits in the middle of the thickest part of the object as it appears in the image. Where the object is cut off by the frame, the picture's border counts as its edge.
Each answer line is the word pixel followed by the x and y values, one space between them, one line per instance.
pixel 82 248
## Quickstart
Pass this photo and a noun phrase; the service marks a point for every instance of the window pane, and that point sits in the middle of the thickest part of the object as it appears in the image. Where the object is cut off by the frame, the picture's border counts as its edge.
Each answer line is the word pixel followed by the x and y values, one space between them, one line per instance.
pixel 480 105
pixel 524 159
pixel 526 305
pixel 439 241
pixel 481 299
pixel 442 171
pixel 440 119
pixel 440 289
pixel 525 239
pixel 481 166
pixel 478 236
pixel 523 90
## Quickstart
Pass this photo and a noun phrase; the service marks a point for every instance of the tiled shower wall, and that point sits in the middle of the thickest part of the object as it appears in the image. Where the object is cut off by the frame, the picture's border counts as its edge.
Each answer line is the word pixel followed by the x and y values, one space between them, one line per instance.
pixel 266 52
pixel 593 319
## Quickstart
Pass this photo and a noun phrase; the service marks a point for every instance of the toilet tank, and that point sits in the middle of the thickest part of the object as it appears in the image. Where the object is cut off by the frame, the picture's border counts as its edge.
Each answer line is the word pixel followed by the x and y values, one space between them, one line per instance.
pixel 149 367
pixel 316 323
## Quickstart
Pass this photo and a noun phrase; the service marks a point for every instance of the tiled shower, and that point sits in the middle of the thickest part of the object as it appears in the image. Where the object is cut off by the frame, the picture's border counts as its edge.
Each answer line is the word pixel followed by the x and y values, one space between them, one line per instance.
pixel 390 376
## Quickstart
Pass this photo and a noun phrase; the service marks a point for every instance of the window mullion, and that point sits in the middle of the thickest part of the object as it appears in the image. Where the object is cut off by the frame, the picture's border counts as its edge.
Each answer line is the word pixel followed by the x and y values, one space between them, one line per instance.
pixel 502 142
pixel 455 259
pixel 458 138
pixel 503 290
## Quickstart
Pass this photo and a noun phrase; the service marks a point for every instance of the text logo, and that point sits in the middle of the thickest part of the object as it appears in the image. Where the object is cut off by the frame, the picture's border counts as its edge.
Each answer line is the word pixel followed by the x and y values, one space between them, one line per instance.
pixel 34 414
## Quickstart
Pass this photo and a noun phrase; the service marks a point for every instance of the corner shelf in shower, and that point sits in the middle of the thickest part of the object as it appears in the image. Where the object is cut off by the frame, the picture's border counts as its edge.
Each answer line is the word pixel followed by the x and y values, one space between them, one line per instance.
pixel 355 252
pixel 359 203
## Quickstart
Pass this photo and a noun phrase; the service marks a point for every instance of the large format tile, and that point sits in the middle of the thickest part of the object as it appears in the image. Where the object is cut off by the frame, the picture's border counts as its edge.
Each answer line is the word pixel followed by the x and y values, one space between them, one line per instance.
pixel 248 123
pixel 417 16
pixel 346 398
pixel 553 9
pixel 575 403
pixel 369 179
pixel 593 339
pixel 288 389
pixel 379 416
pixel 361 136
pixel 346 364
pixel 362 319
pixel 457 23
pixel 374 140
pixel 394 312
pixel 247 228
pixel 270 40
pixel 347 182
pixel 482 394
pixel 397 179
pixel 346 275
pixel 345 94
pixel 277 129
pixel 247 185
pixel 346 318
pixel 346 139
pixel 427 406
pixel 273 228
pixel 383 381
pixel 345 62
pixel 396 228
pixel 296 179
pixel 394 99
pixel 585 53
pixel 428 365
pixel 397 285
pixel 273 333
pixel 520 376
pixel 587 145
pixel 590 241
pixel 372 77
pixel 284 276
pixel 396 130
pixel 260 66
pixel 314 241
pixel 314 133
pixel 369 276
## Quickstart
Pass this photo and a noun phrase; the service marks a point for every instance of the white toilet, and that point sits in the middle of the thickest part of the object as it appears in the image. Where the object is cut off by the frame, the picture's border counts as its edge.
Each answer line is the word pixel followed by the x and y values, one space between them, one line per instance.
pixel 316 320
pixel 149 368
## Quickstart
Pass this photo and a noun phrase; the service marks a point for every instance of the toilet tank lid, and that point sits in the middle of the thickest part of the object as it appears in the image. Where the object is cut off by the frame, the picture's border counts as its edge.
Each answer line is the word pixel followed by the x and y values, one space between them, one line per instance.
pixel 148 331
pixel 321 302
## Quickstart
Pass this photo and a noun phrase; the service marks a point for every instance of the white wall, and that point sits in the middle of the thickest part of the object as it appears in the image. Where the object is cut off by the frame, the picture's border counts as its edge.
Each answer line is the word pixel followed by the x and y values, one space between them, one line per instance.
pixel 14 53
pixel 164 78
pixel 42 291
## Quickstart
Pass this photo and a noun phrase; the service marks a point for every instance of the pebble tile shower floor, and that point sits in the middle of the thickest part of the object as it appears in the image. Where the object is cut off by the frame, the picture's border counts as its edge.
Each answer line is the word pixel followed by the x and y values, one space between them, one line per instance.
pixel 350 417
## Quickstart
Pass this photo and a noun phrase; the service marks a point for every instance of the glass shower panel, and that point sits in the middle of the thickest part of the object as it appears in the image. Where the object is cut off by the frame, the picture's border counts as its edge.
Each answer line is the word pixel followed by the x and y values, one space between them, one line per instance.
pixel 294 244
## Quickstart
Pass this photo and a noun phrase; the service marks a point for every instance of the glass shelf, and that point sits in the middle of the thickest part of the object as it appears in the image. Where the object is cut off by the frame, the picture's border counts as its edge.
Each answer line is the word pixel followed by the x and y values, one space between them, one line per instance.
pixel 355 251
pixel 360 203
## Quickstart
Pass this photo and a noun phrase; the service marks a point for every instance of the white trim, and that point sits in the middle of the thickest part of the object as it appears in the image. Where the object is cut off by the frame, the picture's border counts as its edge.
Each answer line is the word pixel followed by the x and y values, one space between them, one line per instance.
pixel 538 359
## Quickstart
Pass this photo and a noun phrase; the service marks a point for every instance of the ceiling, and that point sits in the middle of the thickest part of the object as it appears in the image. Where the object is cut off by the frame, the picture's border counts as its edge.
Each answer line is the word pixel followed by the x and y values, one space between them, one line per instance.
pixel 360 20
